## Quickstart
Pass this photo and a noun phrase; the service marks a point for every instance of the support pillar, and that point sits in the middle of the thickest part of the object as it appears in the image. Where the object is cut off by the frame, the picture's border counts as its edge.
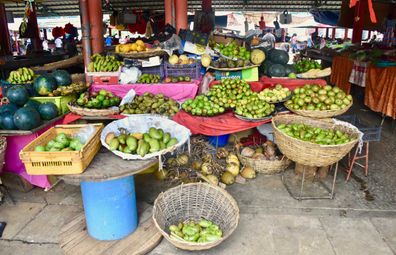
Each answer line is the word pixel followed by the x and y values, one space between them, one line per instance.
pixel 36 42
pixel 333 33
pixel 5 44
pixel 345 33
pixel 86 32
pixel 96 20
pixel 327 32
pixel 360 8
pixel 181 14
pixel 169 13
pixel 369 35
pixel 45 33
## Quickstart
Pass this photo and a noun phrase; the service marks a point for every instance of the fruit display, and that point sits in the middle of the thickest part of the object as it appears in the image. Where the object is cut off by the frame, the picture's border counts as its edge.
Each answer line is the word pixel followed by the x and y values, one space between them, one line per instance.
pixel 74 88
pixel 257 56
pixel 232 50
pixel 202 106
pixel 253 107
pixel 278 56
pixel 314 134
pixel 137 143
pixel 275 95
pixel 62 142
pixel 229 92
pixel 21 76
pixel 315 73
pixel 205 60
pixel 275 64
pixel 174 79
pixel 203 231
pixel 150 103
pixel 135 47
pixel 229 63
pixel 315 97
pixel 44 84
pixel 101 63
pixel 18 95
pixel 181 60
pixel 47 110
pixel 306 64
pixel 266 151
pixel 101 100
pixel 149 78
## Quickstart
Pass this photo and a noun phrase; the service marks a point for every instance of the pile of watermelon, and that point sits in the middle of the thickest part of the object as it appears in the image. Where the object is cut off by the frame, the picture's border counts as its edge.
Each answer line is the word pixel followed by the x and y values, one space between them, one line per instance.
pixel 45 84
pixel 275 65
pixel 23 113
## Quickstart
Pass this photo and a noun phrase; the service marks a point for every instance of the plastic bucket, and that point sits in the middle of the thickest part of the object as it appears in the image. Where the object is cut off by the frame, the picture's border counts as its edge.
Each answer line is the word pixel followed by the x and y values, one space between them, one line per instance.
pixel 110 208
pixel 219 141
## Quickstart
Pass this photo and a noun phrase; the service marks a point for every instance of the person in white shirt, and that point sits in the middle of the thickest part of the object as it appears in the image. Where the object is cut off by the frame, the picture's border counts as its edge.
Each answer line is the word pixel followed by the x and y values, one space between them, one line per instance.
pixel 45 45
pixel 58 43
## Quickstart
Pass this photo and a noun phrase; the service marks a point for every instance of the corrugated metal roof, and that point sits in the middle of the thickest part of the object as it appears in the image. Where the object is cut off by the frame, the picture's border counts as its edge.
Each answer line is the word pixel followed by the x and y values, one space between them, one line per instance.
pixel 71 7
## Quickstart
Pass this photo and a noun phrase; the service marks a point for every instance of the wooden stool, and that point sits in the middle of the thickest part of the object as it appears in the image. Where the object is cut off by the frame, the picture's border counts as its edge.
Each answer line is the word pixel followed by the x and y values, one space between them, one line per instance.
pixel 356 157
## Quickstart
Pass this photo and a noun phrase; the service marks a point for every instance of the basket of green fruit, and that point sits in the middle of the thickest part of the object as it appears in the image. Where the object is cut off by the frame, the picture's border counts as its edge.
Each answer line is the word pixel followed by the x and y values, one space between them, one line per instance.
pixel 276 95
pixel 143 136
pixel 103 103
pixel 196 216
pixel 319 102
pixel 314 142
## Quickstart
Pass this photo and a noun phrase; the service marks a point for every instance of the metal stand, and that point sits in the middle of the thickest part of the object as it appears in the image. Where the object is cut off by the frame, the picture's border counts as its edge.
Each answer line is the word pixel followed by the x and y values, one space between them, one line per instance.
pixel 301 197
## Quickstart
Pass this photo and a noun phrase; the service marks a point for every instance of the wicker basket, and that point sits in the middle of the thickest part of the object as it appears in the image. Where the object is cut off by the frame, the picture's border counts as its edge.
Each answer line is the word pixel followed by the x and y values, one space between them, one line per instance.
pixel 143 54
pixel 3 147
pixel 92 112
pixel 320 114
pixel 265 166
pixel 312 154
pixel 195 201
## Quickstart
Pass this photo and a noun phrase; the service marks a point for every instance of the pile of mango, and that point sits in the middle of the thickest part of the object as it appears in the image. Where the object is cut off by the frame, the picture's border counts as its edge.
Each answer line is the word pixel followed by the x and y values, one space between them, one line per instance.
pixel 141 144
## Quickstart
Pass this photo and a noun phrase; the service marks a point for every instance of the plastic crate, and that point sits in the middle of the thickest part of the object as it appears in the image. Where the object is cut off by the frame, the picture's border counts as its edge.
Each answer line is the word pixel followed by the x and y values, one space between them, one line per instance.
pixel 61 101
pixel 5 85
pixel 60 162
pixel 191 70
pixel 155 70
pixel 105 78
pixel 370 134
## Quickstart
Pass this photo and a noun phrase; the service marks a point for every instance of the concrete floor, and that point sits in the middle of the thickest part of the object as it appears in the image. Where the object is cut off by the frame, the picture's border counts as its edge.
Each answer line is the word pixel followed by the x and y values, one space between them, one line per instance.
pixel 271 221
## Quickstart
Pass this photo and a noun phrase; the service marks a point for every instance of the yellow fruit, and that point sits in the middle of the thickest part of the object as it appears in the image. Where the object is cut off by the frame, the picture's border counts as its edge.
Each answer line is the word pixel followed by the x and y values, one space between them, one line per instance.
pixel 140 42
pixel 124 48
pixel 173 60
pixel 133 47
pixel 117 48
pixel 257 57
pixel 205 60
pixel 140 48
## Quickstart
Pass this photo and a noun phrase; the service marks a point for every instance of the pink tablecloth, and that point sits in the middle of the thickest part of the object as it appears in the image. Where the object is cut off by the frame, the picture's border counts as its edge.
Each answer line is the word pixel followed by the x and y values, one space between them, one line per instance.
pixel 177 91
pixel 290 83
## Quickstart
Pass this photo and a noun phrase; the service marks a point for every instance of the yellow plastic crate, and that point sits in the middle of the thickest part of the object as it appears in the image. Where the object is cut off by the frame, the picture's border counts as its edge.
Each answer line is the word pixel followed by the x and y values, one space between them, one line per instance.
pixel 60 162
pixel 61 101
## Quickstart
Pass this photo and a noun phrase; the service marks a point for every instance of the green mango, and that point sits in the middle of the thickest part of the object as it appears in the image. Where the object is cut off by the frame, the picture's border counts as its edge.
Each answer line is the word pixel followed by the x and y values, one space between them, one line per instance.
pixel 114 143
pixel 166 138
pixel 171 142
pixel 144 148
pixel 146 137
pixel 154 145
pixel 127 150
pixel 154 133
pixel 160 132
pixel 162 145
pixel 122 138
pixel 131 143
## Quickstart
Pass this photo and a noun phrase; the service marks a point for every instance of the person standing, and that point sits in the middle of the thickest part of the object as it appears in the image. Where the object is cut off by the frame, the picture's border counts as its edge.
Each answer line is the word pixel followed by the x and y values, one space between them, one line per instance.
pixel 310 43
pixel 45 44
pixel 294 43
pixel 58 44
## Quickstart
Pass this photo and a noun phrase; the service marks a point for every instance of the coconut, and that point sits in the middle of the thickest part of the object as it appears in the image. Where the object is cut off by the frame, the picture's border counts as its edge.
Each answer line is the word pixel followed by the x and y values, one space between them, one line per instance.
pixel 227 178
pixel 232 158
pixel 247 152
pixel 213 179
pixel 233 169
pixel 206 168
pixel 196 165
pixel 161 174
pixel 248 173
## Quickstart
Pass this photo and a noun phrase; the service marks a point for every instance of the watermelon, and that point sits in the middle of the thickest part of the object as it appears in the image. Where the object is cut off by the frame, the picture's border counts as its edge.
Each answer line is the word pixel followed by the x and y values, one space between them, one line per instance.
pixel 265 66
pixel 289 69
pixel 276 70
pixel 27 118
pixel 48 111
pixel 44 84
pixel 32 103
pixel 18 95
pixel 279 56
pixel 7 121
pixel 62 77
pixel 11 108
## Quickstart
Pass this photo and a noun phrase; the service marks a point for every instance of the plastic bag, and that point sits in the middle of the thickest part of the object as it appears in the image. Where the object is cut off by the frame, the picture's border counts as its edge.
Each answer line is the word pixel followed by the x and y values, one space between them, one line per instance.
pixel 173 43
pixel 85 133
pixel 128 98
pixel 207 79
pixel 129 75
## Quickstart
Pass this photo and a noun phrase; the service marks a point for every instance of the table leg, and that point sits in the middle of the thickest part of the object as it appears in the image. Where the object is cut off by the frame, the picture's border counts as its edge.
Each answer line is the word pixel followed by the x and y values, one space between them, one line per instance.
pixel 110 208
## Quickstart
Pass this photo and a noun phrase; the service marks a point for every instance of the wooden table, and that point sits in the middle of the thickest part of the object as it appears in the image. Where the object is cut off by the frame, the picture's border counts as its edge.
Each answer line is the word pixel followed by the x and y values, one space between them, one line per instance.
pixel 108 192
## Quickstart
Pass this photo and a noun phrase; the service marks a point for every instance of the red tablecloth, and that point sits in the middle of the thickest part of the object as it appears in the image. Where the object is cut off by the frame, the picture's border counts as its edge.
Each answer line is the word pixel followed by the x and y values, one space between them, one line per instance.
pixel 219 125
pixel 177 91
pixel 290 83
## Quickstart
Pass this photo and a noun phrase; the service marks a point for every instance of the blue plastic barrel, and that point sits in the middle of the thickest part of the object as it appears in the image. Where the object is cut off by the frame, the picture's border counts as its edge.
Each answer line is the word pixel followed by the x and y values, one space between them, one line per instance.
pixel 110 208
pixel 219 141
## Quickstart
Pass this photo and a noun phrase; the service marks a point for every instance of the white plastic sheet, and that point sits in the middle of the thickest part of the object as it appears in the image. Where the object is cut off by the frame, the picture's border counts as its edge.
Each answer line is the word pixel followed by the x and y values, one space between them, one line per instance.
pixel 140 123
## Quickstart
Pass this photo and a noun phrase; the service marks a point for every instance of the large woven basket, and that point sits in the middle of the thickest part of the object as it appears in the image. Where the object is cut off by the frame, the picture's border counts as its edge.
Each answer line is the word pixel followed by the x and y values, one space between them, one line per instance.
pixel 313 154
pixel 195 201
pixel 92 112
pixel 3 147
pixel 265 166
pixel 320 114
